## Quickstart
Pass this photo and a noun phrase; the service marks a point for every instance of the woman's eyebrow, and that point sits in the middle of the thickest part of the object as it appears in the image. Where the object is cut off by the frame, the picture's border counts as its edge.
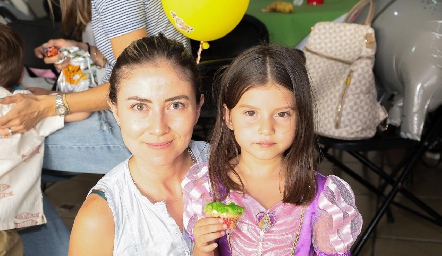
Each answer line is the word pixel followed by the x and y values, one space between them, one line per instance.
pixel 179 97
pixel 139 99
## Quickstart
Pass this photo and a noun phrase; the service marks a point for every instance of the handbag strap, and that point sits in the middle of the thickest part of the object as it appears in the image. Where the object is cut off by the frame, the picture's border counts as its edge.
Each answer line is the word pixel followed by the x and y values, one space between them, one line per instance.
pixel 357 7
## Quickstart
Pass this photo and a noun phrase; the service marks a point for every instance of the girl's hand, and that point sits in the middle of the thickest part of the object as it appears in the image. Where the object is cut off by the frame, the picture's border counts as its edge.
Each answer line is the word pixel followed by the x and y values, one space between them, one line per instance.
pixel 205 231
pixel 59 44
pixel 28 111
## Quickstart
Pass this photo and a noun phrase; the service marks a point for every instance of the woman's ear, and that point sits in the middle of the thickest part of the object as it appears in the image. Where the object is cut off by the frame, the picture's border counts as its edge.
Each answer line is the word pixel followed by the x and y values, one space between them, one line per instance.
pixel 114 109
pixel 198 108
pixel 22 75
pixel 226 117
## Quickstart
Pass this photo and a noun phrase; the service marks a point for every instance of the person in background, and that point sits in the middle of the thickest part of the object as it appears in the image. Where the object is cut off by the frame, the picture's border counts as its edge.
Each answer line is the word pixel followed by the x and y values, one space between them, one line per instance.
pixel 137 207
pixel 95 144
pixel 22 205
pixel 262 158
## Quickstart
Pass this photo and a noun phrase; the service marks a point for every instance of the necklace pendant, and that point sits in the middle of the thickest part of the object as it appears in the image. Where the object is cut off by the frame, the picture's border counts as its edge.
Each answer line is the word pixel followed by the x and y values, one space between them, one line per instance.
pixel 266 220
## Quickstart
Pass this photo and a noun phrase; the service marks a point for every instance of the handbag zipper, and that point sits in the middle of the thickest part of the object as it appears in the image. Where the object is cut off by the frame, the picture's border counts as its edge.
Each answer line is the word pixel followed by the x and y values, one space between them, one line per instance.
pixel 341 102
pixel 306 49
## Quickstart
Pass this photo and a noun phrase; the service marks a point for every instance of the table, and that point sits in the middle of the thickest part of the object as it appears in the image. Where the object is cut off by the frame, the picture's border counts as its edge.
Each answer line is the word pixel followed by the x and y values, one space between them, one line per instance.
pixel 290 29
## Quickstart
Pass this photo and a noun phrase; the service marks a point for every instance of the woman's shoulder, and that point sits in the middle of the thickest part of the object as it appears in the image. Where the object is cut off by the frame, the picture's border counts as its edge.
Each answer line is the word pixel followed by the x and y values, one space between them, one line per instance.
pixel 115 175
pixel 93 228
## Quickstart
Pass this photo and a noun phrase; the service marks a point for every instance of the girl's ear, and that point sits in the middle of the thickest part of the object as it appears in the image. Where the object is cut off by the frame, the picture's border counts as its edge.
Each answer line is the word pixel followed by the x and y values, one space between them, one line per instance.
pixel 114 110
pixel 226 117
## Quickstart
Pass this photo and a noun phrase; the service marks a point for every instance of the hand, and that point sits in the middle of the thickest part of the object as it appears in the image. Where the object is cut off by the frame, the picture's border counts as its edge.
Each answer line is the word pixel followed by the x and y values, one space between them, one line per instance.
pixel 59 43
pixel 28 112
pixel 205 231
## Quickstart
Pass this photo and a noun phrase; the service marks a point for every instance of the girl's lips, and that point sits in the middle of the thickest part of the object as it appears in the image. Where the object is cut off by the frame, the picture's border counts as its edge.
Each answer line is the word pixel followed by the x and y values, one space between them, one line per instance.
pixel 265 144
pixel 159 145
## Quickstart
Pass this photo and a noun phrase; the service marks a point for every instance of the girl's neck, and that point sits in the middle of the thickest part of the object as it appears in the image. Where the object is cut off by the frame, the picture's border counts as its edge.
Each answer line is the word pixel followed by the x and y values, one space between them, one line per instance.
pixel 262 180
pixel 261 168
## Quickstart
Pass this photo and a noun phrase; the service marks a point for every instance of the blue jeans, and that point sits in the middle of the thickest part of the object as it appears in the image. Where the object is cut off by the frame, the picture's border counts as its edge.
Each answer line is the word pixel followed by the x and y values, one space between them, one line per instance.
pixel 93 145
pixel 50 239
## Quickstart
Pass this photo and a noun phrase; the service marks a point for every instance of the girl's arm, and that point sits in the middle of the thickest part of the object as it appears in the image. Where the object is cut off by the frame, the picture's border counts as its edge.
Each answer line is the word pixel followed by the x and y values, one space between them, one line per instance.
pixel 338 201
pixel 93 230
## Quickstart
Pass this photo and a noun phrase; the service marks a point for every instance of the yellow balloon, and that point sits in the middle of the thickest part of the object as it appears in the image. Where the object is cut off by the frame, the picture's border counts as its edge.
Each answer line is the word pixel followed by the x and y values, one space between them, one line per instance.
pixel 205 20
pixel 205 45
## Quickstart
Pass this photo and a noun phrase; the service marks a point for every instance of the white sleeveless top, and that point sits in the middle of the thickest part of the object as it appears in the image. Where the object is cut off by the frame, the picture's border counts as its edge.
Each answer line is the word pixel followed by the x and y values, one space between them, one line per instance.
pixel 143 228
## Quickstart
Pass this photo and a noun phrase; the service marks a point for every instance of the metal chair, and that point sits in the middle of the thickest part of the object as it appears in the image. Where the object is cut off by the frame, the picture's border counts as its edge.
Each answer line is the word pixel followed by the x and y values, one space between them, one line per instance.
pixel 35 33
pixel 415 150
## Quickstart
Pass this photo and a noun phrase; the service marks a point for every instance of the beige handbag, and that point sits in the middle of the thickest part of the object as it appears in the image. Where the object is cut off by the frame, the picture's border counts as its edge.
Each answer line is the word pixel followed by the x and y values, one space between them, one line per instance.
pixel 340 59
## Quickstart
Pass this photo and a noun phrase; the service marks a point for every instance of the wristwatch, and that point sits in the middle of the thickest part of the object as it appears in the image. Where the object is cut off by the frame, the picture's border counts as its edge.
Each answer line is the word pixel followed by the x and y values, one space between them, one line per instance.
pixel 61 108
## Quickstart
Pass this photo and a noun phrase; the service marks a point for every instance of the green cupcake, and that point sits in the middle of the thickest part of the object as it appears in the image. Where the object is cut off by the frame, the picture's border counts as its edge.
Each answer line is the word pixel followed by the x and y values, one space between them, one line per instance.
pixel 230 213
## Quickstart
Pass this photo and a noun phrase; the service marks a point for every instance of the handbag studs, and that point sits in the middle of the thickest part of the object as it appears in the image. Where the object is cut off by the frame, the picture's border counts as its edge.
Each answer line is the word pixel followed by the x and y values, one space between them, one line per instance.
pixel 370 40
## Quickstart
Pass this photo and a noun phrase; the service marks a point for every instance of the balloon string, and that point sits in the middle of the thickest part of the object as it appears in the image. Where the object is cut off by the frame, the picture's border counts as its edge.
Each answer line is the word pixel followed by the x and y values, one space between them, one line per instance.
pixel 199 52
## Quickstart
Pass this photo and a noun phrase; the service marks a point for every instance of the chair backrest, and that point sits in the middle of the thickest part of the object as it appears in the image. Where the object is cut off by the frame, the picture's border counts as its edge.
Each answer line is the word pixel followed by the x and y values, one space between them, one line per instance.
pixel 9 12
pixel 35 33
pixel 249 32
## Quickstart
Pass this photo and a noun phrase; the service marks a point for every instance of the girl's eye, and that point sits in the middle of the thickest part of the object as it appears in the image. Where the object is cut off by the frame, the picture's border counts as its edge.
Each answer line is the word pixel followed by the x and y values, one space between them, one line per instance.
pixel 250 113
pixel 177 105
pixel 139 107
pixel 283 114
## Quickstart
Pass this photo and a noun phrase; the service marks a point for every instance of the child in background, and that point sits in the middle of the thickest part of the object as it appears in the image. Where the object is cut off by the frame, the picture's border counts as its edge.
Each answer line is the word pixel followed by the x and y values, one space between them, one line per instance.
pixel 21 155
pixel 262 158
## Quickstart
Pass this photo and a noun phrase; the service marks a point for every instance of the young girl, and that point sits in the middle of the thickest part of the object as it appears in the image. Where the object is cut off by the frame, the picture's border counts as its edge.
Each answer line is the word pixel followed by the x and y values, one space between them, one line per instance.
pixel 262 158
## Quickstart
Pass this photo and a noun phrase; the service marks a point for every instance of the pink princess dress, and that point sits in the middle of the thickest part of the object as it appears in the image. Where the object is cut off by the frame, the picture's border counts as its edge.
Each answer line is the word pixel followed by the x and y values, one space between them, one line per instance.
pixel 328 226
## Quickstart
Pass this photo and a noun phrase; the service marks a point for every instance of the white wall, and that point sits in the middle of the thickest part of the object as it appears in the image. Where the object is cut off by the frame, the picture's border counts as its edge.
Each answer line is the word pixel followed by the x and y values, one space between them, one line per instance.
pixel 31 7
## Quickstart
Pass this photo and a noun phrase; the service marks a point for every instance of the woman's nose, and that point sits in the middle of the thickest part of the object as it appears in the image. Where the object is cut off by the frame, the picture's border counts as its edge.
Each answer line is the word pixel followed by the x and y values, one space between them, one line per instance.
pixel 158 123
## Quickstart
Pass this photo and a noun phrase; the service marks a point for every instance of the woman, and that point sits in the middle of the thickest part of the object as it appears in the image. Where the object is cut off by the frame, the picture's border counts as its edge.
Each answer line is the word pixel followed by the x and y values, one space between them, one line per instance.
pixel 93 145
pixel 137 208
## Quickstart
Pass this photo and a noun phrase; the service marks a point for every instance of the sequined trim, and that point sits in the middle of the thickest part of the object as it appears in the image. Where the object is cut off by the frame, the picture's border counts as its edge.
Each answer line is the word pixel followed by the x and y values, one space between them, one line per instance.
pixel 333 254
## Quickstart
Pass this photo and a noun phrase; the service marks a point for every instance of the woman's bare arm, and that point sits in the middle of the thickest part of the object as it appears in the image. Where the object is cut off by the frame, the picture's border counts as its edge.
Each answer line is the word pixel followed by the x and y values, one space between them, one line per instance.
pixel 31 109
pixel 121 42
pixel 94 229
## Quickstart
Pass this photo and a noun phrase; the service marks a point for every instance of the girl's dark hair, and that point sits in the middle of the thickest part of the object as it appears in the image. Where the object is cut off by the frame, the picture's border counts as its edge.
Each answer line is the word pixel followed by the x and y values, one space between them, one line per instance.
pixel 152 50
pixel 255 67
pixel 11 57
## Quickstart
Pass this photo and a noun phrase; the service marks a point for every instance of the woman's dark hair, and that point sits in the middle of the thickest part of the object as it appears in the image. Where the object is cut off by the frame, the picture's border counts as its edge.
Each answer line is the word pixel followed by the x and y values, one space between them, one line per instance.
pixel 74 15
pixel 152 50
pixel 256 67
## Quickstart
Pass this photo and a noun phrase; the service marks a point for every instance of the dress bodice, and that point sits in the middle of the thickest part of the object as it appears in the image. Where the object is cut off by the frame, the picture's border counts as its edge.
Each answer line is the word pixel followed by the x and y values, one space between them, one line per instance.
pixel 330 223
